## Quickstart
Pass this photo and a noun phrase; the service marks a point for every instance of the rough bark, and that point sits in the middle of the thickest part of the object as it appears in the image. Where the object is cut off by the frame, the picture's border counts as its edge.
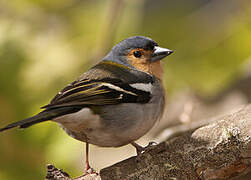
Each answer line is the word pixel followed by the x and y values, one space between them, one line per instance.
pixel 220 150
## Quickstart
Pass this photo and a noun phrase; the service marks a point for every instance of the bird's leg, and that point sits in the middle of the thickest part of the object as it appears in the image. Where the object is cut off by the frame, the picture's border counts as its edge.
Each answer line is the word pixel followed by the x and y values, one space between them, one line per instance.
pixel 141 149
pixel 87 157
pixel 88 169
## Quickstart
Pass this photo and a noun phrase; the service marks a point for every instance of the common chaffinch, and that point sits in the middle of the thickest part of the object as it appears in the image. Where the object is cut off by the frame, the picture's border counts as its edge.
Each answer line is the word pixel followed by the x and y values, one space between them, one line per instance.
pixel 115 102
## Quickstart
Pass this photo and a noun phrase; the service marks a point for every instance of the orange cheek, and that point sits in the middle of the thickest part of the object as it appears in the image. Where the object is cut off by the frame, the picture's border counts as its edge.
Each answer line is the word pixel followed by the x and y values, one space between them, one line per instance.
pixel 140 64
pixel 143 64
pixel 156 69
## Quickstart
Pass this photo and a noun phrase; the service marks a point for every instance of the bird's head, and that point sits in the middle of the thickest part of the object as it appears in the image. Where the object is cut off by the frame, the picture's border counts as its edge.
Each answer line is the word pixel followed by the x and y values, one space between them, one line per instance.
pixel 139 52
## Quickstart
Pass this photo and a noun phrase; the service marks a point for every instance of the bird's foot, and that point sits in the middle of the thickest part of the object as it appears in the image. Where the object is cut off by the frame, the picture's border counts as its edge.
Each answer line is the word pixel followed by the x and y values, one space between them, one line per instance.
pixel 141 149
pixel 90 171
pixel 151 144
pixel 89 174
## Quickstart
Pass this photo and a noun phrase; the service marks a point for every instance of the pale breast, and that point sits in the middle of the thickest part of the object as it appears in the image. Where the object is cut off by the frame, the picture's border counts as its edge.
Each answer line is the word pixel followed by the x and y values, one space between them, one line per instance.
pixel 79 121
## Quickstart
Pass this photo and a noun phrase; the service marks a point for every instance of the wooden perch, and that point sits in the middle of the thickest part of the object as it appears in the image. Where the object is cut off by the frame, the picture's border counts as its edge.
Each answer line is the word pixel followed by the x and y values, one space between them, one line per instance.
pixel 220 150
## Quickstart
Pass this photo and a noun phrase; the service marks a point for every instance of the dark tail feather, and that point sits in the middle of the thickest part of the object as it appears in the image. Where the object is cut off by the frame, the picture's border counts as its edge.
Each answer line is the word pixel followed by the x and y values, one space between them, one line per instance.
pixel 41 117
pixel 25 123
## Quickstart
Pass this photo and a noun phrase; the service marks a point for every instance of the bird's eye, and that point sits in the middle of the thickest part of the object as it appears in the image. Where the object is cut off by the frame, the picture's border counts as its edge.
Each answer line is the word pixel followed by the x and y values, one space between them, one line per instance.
pixel 137 54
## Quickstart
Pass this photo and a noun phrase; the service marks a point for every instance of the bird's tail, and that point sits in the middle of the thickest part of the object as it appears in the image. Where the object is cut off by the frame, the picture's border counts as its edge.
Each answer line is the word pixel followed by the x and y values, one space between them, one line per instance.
pixel 41 117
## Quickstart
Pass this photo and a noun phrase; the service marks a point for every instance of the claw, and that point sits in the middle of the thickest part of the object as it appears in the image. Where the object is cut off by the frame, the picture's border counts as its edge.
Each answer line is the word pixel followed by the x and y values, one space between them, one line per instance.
pixel 90 171
pixel 151 143
pixel 141 149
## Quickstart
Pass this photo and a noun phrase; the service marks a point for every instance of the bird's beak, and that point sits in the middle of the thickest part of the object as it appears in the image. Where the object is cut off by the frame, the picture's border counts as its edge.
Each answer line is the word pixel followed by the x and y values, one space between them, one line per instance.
pixel 159 53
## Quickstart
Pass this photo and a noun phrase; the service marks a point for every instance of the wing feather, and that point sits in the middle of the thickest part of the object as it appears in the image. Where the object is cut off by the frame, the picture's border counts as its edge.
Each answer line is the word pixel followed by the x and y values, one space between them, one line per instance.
pixel 89 91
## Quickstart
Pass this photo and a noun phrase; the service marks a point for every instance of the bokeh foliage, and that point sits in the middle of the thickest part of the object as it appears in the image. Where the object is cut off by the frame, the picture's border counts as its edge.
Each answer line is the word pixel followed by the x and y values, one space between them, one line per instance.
pixel 46 44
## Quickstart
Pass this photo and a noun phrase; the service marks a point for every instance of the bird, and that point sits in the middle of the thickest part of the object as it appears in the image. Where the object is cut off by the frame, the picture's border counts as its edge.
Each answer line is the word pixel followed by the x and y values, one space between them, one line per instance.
pixel 115 102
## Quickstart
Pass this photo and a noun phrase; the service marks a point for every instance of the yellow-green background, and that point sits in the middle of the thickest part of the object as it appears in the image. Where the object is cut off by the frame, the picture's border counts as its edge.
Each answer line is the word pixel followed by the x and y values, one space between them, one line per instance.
pixel 46 44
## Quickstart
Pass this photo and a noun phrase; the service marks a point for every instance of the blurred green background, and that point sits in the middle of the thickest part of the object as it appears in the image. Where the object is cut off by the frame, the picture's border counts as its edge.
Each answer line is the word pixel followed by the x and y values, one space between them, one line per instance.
pixel 46 44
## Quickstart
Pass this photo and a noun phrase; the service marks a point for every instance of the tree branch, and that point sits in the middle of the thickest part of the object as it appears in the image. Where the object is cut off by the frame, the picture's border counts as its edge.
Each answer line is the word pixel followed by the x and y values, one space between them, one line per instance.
pixel 220 150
